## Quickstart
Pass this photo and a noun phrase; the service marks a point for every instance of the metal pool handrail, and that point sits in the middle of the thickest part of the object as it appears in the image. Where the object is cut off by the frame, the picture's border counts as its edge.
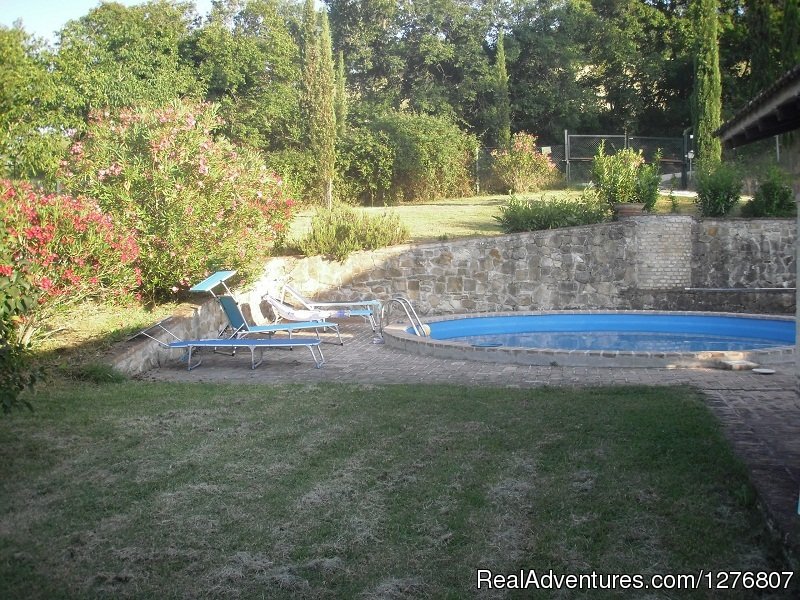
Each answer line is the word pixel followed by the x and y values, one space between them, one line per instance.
pixel 413 317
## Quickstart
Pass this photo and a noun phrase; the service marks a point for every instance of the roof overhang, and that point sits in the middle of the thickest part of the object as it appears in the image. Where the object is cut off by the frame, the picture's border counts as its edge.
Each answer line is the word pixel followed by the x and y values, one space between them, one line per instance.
pixel 774 111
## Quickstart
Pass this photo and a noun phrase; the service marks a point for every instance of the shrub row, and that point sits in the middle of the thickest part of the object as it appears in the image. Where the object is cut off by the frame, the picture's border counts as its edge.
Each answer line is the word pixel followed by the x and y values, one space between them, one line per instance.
pixel 343 229
pixel 519 215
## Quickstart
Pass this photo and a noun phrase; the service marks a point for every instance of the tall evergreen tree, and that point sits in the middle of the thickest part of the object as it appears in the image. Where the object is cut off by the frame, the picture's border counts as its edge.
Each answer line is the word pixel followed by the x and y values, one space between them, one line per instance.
pixel 503 105
pixel 322 117
pixel 707 86
pixel 762 65
pixel 341 95
pixel 309 60
pixel 790 43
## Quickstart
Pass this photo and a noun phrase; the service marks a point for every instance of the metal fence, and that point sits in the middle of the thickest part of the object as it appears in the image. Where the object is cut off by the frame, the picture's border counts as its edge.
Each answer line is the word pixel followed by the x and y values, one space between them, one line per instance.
pixel 580 150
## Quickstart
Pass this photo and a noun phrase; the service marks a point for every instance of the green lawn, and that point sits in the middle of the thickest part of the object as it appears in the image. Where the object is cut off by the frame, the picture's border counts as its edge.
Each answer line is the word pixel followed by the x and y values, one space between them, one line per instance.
pixel 234 491
pixel 468 217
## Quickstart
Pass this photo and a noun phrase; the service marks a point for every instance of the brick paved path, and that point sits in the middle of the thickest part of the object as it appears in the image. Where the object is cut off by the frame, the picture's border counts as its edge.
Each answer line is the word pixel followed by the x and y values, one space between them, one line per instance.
pixel 760 414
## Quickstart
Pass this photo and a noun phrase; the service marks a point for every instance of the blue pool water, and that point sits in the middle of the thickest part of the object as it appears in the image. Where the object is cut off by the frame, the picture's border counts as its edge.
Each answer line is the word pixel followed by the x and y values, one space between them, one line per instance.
pixel 632 332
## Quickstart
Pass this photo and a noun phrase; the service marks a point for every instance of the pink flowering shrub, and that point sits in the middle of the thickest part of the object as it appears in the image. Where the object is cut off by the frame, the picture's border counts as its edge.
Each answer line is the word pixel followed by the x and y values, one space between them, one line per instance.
pixel 66 247
pixel 523 167
pixel 196 202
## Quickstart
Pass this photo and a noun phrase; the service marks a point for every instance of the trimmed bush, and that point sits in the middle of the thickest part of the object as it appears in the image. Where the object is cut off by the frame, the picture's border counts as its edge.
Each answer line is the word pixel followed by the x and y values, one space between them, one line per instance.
pixel 520 215
pixel 774 197
pixel 342 230
pixel 718 190
pixel 523 168
pixel 196 202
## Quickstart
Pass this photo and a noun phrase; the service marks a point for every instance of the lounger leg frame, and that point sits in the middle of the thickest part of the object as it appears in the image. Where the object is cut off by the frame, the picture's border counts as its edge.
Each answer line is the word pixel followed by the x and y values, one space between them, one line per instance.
pixel 189 365
pixel 318 361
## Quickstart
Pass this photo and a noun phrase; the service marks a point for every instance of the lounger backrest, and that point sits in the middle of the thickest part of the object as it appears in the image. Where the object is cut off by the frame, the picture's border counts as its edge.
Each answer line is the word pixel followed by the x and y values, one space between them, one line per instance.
pixel 233 312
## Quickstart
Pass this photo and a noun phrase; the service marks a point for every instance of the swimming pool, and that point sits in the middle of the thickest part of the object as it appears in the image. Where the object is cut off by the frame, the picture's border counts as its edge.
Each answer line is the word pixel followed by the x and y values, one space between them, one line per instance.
pixel 605 338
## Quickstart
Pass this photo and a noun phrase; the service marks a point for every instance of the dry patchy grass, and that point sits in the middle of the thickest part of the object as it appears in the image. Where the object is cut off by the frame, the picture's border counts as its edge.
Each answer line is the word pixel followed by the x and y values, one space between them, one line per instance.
pixel 177 491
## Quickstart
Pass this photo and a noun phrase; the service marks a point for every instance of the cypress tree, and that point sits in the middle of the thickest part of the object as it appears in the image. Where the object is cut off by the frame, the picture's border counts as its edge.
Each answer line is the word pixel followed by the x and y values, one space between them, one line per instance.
pixel 322 120
pixel 309 62
pixel 341 95
pixel 503 105
pixel 707 87
pixel 762 66
pixel 790 43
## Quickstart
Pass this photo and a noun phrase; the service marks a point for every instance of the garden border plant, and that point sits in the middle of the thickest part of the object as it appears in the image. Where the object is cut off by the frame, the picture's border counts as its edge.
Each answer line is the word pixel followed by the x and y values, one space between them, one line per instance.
pixel 626 178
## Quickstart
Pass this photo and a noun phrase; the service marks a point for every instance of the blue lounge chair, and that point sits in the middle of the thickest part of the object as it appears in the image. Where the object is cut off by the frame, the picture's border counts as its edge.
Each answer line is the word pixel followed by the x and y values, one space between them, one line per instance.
pixel 313 344
pixel 212 281
pixel 241 328
pixel 366 309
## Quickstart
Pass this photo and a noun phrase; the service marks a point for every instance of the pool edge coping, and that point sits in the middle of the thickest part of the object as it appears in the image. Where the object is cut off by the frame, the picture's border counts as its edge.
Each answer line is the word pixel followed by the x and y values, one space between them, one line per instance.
pixel 396 336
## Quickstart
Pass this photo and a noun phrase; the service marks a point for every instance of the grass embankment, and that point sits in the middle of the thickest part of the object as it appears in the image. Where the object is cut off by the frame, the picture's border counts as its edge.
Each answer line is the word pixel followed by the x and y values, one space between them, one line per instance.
pixel 470 217
pixel 185 491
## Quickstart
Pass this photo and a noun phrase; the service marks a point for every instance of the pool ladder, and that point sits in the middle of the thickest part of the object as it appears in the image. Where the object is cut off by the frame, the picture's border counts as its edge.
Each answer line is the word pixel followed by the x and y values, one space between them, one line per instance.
pixel 413 317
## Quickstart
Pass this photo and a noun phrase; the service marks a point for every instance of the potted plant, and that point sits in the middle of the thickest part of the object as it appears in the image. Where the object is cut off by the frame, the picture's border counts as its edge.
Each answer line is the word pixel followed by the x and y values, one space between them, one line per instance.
pixel 625 181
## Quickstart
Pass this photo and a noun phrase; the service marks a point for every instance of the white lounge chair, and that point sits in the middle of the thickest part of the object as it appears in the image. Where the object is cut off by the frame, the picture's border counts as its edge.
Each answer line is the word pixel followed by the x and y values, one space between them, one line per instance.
pixel 241 328
pixel 367 309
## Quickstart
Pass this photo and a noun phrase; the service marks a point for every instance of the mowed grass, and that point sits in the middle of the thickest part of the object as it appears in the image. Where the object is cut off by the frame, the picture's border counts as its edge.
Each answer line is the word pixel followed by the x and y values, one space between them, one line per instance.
pixel 143 490
pixel 457 218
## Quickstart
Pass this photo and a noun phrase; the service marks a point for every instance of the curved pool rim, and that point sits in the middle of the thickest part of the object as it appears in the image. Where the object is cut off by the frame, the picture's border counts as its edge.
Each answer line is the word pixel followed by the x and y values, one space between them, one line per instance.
pixel 397 335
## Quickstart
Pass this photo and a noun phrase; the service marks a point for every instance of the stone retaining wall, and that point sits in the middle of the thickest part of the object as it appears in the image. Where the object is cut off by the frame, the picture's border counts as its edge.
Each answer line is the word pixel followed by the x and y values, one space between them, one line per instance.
pixel 637 263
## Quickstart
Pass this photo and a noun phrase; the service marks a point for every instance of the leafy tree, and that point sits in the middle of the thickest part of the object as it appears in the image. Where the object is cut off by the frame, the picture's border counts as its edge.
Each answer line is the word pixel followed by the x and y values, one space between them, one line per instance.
pixel 323 119
pixel 246 58
pixel 708 87
pixel 119 56
pixel 367 33
pixel 545 54
pixel 762 62
pixel 31 131
pixel 503 133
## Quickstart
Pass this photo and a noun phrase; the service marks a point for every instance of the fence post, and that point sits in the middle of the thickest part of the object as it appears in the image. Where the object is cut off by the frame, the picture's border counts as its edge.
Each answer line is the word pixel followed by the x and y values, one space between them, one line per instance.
pixel 566 155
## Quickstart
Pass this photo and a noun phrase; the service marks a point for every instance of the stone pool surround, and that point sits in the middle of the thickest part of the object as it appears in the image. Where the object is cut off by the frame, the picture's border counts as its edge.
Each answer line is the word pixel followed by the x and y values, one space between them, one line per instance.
pixel 638 263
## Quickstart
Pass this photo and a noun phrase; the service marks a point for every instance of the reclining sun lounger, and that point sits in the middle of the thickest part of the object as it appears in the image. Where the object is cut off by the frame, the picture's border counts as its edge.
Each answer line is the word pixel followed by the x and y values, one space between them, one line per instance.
pixel 212 281
pixel 241 328
pixel 251 344
pixel 355 308
pixel 290 313
pixel 313 344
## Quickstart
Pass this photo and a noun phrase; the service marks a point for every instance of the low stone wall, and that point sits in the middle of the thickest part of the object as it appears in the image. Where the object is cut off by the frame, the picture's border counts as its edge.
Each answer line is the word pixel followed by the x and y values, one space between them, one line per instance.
pixel 637 263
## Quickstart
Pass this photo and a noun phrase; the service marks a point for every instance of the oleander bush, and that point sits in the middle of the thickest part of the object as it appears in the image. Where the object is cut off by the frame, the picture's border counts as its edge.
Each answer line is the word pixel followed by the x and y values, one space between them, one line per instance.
pixel 68 249
pixel 342 230
pixel 718 190
pixel 18 298
pixel 196 202
pixel 519 214
pixel 523 167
